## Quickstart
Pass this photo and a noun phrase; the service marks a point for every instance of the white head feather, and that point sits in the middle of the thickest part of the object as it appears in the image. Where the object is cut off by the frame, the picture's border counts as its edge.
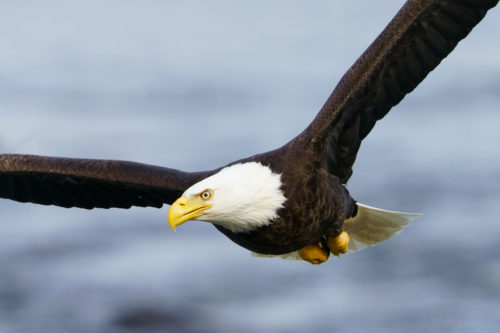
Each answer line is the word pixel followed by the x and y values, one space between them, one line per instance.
pixel 245 196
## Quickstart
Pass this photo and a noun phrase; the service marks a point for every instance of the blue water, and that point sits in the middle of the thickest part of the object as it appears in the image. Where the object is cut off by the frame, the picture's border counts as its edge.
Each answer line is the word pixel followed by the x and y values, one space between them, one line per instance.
pixel 197 84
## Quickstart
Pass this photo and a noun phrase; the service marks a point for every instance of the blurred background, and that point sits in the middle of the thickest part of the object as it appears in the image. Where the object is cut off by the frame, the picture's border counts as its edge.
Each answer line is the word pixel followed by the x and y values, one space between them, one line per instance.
pixel 197 84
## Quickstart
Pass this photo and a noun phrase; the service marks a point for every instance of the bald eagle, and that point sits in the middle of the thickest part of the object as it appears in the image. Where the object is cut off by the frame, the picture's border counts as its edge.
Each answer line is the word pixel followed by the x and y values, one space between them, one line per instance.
pixel 291 201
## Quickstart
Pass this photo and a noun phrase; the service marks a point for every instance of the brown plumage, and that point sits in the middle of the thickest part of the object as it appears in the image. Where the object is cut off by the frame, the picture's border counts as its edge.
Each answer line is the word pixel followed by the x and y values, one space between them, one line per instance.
pixel 314 165
pixel 317 204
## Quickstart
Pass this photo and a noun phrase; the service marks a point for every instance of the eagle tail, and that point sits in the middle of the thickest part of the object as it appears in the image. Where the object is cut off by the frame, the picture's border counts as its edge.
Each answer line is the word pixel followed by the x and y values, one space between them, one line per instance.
pixel 374 225
pixel 370 226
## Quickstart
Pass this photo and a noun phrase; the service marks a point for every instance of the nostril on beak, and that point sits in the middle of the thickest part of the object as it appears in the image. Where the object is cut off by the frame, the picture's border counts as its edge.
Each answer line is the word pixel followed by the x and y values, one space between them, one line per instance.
pixel 182 204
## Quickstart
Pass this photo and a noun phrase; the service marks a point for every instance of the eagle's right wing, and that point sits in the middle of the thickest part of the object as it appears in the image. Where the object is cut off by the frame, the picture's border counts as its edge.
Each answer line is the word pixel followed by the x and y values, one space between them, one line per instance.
pixel 86 183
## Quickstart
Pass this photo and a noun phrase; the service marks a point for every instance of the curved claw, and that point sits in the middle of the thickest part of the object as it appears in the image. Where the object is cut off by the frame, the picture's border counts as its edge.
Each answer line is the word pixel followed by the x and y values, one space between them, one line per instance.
pixel 314 254
pixel 340 244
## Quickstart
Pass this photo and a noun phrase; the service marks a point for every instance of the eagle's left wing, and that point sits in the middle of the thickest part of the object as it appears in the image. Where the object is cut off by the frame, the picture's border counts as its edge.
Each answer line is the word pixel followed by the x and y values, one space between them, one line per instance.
pixel 421 34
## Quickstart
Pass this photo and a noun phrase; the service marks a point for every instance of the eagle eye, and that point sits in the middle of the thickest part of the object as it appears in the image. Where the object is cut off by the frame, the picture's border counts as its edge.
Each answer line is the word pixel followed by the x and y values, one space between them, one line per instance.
pixel 205 195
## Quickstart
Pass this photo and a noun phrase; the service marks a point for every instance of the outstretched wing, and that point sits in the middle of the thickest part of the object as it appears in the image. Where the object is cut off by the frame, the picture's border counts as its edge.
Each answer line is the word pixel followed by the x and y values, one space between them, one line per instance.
pixel 421 34
pixel 85 183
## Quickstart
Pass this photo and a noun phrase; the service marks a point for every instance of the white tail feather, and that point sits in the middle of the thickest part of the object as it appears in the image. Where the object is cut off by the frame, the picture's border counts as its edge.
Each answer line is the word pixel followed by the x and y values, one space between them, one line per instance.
pixel 374 225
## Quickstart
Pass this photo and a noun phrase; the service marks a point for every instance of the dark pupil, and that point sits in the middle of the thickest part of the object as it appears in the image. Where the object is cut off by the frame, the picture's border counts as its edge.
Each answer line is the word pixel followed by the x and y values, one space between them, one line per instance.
pixel 205 195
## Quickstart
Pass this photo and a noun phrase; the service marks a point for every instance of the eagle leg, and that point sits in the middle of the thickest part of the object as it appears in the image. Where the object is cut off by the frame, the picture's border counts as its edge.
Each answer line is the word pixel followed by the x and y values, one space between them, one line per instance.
pixel 340 244
pixel 314 254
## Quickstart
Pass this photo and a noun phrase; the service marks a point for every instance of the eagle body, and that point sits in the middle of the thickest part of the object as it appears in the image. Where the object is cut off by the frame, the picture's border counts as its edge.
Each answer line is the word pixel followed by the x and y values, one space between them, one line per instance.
pixel 315 207
pixel 292 200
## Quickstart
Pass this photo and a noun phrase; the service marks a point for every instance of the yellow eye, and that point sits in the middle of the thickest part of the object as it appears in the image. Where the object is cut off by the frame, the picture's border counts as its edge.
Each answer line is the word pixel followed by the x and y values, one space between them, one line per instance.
pixel 205 195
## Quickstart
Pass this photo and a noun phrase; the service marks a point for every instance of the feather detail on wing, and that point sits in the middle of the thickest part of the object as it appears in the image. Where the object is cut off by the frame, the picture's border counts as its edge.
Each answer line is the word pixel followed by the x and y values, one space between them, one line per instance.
pixel 86 183
pixel 421 34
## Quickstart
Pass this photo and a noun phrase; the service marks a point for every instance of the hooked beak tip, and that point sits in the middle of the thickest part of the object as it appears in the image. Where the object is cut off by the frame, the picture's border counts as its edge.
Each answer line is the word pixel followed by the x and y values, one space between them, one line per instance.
pixel 182 211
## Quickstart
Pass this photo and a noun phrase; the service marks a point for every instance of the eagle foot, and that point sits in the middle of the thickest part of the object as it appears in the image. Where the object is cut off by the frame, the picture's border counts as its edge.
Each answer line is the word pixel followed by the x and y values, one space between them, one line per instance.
pixel 340 244
pixel 314 254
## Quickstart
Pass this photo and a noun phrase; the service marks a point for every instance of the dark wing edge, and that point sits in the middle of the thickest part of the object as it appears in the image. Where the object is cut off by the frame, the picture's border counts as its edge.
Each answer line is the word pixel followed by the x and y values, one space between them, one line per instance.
pixel 421 34
pixel 87 183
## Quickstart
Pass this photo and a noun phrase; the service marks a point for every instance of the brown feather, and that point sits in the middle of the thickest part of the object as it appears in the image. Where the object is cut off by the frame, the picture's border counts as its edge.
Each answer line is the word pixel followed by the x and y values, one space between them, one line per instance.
pixel 421 34
pixel 86 183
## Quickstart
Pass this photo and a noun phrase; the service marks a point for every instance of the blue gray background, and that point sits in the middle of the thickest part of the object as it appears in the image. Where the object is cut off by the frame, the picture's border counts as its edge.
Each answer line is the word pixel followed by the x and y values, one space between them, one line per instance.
pixel 197 84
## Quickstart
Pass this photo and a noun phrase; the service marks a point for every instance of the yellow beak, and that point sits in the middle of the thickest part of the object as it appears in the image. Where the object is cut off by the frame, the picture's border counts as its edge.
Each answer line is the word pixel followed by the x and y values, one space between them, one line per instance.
pixel 184 209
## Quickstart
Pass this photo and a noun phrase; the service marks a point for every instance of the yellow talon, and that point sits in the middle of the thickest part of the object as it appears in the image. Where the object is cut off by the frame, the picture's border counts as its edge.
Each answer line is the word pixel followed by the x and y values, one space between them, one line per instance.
pixel 313 254
pixel 340 244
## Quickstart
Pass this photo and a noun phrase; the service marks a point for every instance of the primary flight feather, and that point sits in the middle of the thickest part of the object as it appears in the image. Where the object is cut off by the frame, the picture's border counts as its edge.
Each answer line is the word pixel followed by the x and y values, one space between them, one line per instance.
pixel 291 201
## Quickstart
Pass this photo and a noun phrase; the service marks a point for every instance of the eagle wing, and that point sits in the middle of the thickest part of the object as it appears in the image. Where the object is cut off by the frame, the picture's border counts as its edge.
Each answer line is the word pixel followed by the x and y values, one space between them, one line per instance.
pixel 87 183
pixel 421 34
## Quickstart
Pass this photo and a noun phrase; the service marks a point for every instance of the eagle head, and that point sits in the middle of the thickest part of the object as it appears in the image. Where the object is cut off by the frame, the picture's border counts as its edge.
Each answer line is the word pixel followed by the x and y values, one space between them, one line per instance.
pixel 241 197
